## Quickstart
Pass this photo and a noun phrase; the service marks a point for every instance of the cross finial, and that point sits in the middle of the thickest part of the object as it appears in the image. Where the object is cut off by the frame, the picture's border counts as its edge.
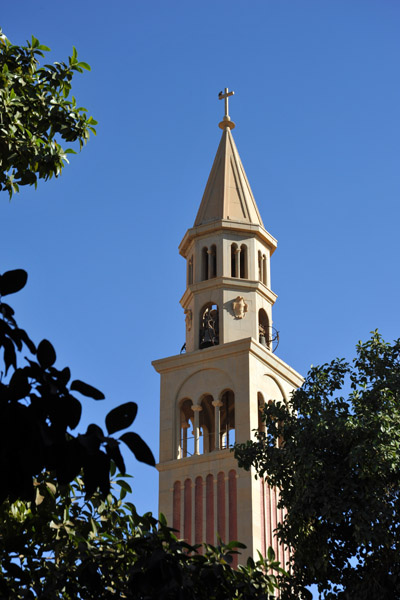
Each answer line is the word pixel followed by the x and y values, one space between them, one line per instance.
pixel 226 122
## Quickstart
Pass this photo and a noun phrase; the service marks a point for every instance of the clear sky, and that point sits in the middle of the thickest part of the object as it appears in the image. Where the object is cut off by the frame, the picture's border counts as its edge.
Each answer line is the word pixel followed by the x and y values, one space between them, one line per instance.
pixel 316 106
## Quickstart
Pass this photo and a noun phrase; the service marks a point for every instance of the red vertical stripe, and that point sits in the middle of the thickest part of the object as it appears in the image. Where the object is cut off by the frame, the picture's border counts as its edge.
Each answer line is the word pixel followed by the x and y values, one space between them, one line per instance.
pixel 187 512
pixel 274 522
pixel 221 506
pixel 198 511
pixel 262 510
pixel 176 507
pixel 210 509
pixel 268 527
pixel 232 499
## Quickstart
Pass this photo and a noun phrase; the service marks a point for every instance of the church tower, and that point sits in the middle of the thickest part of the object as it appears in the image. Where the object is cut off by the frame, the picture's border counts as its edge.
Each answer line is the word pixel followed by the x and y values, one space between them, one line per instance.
pixel 212 395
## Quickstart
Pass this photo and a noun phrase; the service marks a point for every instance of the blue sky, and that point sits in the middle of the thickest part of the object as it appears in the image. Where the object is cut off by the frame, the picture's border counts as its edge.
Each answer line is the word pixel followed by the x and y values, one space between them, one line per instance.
pixel 317 97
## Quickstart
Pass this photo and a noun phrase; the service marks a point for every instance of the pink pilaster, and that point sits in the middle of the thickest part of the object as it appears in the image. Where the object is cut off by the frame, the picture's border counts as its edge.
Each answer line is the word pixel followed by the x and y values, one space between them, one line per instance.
pixel 187 511
pixel 210 509
pixel 221 513
pixel 198 511
pixel 176 507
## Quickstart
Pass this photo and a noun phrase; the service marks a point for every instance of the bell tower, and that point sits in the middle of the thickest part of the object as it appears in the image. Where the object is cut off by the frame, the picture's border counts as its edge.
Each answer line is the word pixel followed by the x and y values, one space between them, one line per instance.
pixel 213 394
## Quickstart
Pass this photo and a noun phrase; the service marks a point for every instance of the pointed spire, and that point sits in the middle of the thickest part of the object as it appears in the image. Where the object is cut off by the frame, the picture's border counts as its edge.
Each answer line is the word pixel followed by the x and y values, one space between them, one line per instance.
pixel 228 194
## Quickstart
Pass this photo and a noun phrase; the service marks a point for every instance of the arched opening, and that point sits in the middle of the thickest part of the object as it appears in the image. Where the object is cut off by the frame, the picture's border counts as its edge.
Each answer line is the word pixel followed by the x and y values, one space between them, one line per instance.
pixel 190 271
pixel 207 425
pixel 234 260
pixel 204 264
pixel 263 329
pixel 260 266
pixel 264 270
pixel 227 420
pixel 213 262
pixel 186 437
pixel 243 261
pixel 260 404
pixel 209 326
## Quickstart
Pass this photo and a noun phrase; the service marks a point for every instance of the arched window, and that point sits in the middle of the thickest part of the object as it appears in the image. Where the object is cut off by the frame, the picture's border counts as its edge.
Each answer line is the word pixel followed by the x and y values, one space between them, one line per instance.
pixel 190 271
pixel 204 264
pixel 260 404
pixel 260 266
pixel 207 425
pixel 243 261
pixel 212 267
pixel 227 420
pixel 263 329
pixel 234 260
pixel 264 270
pixel 209 326
pixel 186 438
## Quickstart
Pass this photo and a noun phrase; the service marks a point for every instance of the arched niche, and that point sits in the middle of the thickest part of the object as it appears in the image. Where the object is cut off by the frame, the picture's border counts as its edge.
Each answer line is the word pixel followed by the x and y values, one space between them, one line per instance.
pixel 209 326
pixel 227 419
pixel 207 424
pixel 263 329
pixel 186 425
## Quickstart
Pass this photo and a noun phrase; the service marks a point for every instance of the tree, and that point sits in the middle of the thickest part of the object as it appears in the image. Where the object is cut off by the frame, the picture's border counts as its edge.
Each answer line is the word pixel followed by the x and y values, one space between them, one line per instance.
pixel 36 114
pixel 39 412
pixel 63 546
pixel 338 471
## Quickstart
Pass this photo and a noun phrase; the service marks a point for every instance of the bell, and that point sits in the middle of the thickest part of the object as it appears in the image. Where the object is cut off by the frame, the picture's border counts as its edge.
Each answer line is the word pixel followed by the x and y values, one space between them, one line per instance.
pixel 206 339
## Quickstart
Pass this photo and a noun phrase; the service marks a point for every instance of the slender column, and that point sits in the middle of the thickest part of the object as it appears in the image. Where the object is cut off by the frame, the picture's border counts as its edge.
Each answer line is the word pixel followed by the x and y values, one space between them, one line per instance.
pixel 184 428
pixel 196 409
pixel 217 404
pixel 237 258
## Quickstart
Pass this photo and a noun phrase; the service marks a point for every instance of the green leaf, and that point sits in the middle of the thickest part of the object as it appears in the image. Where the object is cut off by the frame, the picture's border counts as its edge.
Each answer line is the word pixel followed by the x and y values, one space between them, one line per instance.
pixel 84 65
pixel 124 484
pixel 270 554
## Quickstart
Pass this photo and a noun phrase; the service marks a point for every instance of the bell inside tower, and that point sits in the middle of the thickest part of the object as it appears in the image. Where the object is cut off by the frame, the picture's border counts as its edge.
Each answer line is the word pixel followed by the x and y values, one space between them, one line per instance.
pixel 209 326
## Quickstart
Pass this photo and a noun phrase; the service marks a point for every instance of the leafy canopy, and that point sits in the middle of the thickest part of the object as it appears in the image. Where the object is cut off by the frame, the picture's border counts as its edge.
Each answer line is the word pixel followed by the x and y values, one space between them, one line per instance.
pixel 338 471
pixel 36 114
pixel 63 546
pixel 39 412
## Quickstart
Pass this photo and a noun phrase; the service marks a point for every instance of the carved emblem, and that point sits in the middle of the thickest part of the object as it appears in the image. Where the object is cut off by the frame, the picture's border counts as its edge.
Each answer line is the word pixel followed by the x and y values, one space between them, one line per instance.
pixel 188 318
pixel 240 307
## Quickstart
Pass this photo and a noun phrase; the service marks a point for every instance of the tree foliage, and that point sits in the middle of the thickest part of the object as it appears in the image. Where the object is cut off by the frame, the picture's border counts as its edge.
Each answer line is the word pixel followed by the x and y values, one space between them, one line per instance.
pixel 338 471
pixel 39 411
pixel 36 114
pixel 63 546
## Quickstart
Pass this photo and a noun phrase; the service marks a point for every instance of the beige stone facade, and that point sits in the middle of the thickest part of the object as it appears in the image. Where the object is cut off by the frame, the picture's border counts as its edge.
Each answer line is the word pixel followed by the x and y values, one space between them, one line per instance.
pixel 211 395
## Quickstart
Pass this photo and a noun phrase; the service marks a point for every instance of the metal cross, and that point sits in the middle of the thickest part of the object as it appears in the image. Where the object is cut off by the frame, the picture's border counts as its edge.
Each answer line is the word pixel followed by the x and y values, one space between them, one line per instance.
pixel 225 96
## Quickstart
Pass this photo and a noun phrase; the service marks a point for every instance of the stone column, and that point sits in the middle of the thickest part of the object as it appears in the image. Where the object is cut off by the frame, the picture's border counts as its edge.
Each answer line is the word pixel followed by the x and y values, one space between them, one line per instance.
pixel 196 409
pixel 184 428
pixel 217 404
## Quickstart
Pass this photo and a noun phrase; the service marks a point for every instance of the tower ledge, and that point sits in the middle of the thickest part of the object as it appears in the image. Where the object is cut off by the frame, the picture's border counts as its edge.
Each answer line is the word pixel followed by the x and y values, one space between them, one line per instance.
pixel 226 225
pixel 207 357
